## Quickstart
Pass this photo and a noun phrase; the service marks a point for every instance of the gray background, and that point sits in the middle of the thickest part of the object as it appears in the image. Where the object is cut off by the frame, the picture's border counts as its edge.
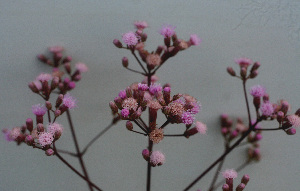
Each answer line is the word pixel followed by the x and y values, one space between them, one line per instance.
pixel 265 31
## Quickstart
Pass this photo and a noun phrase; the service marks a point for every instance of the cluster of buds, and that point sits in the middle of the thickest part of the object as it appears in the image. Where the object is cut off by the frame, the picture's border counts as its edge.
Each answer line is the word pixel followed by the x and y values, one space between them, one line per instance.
pixel 244 64
pixel 231 174
pixel 288 122
pixel 231 131
pixel 45 83
pixel 172 45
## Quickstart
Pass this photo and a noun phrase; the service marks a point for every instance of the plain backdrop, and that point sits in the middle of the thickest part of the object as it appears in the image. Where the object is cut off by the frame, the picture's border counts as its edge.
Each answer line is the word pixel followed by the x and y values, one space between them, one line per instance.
pixel 265 31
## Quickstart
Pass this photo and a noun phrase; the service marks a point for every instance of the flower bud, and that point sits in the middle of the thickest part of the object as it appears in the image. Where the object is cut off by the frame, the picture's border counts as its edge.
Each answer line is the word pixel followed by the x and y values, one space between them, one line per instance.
pixel 117 43
pixel 113 107
pixel 42 58
pixel 68 67
pixel 231 71
pixel 48 105
pixel 29 124
pixel 159 50
pixel 280 116
pixel 291 131
pixel 240 187
pixel 243 72
pixel 40 127
pixel 57 113
pixel 54 83
pixel 59 100
pixel 256 102
pixel 33 88
pixel 255 66
pixel 129 125
pixel 167 41
pixel 49 152
pixel 245 179
pixel 29 140
pixel 125 62
pixel 253 74
pixel 225 187
pixel 144 37
pixel 146 154
pixel 67 59
pixel 266 98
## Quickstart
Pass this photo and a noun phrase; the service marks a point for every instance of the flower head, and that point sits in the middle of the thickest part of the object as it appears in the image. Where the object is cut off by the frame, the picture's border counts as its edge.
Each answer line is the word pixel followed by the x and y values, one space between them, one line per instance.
pixel 69 101
pixel 130 38
pixel 45 139
pixel 155 89
pixel 55 128
pixel 267 109
pixel 187 118
pixel 44 77
pixel 229 173
pixel 125 112
pixel 56 49
pixel 153 60
pixel 81 67
pixel 130 103
pixel 195 40
pixel 294 120
pixel 39 109
pixel 167 31
pixel 257 91
pixel 14 133
pixel 141 24
pixel 157 158
pixel 201 127
pixel 243 62
pixel 156 135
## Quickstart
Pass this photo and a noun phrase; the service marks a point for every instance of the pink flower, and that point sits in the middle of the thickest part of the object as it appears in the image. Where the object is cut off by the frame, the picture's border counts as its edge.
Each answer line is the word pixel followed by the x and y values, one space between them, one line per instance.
pixel 38 110
pixel 196 109
pixel 81 67
pixel 229 173
pixel 155 89
pixel 257 91
pixel 142 87
pixel 294 120
pixel 195 40
pixel 69 101
pixel 167 31
pixel 157 158
pixel 37 84
pixel 243 62
pixel 122 94
pixel 267 109
pixel 130 38
pixel 187 118
pixel 45 139
pixel 140 24
pixel 44 77
pixel 55 128
pixel 201 127
pixel 56 49
pixel 125 112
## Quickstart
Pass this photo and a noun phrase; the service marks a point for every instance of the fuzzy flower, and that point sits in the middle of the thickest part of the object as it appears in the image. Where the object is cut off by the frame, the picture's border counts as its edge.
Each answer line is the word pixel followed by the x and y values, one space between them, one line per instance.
pixel 175 108
pixel 257 91
pixel 157 158
pixel 267 109
pixel 45 139
pixel 155 105
pixel 294 120
pixel 81 67
pixel 130 103
pixel 141 24
pixel 7 136
pixel 15 132
pixel 125 112
pixel 39 109
pixel 69 101
pixel 229 173
pixel 122 94
pixel 142 87
pixel 43 77
pixel 55 128
pixel 153 60
pixel 196 108
pixel 167 31
pixel 130 38
pixel 195 40
pixel 154 89
pixel 243 62
pixel 156 135
pixel 201 127
pixel 187 118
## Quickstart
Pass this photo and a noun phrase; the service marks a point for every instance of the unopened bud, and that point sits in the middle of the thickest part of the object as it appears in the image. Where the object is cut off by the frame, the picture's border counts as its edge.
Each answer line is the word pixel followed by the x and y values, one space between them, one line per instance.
pixel 240 187
pixel 49 152
pixel 117 43
pixel 48 105
pixel 129 125
pixel 253 74
pixel 128 92
pixel 59 100
pixel 298 112
pixel 57 113
pixel 113 107
pixel 144 37
pixel 243 72
pixel 225 187
pixel 146 154
pixel 29 124
pixel 68 67
pixel 125 62
pixel 266 98
pixel 54 83
pixel 255 66
pixel 291 131
pixel 67 59
pixel 231 71
pixel 159 50
pixel 167 41
pixel 256 102
pixel 280 116
pixel 245 179
pixel 40 127
pixel 33 88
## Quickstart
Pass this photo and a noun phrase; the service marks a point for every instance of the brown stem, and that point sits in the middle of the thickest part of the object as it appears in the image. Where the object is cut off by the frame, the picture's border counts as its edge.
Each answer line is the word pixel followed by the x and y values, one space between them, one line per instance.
pixel 138 60
pixel 78 150
pixel 150 146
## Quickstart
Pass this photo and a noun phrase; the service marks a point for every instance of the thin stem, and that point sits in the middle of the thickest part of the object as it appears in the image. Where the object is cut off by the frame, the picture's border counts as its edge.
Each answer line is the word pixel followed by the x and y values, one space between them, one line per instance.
pixel 78 150
pixel 96 137
pixel 247 103
pixel 135 71
pixel 165 124
pixel 138 132
pixel 272 129
pixel 66 152
pixel 74 170
pixel 222 156
pixel 49 117
pixel 138 61
pixel 137 123
pixel 143 122
pixel 150 146
pixel 174 135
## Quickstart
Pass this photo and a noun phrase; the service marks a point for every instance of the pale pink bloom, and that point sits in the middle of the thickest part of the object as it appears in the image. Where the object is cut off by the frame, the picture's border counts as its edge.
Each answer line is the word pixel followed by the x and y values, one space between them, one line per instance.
pixel 45 139
pixel 196 109
pixel 56 49
pixel 153 60
pixel 55 128
pixel 140 24
pixel 243 62
pixel 229 173
pixel 130 38
pixel 39 109
pixel 267 109
pixel 142 87
pixel 37 84
pixel 167 31
pixel 294 120
pixel 130 103
pixel 187 118
pixel 201 127
pixel 155 89
pixel 15 132
pixel 69 101
pixel 257 91
pixel 44 77
pixel 81 67
pixel 195 40
pixel 157 158
pixel 7 136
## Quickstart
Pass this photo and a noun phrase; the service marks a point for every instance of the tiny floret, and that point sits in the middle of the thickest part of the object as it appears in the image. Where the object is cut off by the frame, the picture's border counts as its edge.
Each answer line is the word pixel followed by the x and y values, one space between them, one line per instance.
pixel 156 135
pixel 195 40
pixel 243 62
pixel 142 87
pixel 125 112
pixel 257 91
pixel 55 128
pixel 122 94
pixel 229 174
pixel 294 120
pixel 45 139
pixel 130 38
pixel 39 109
pixel 167 31
pixel 81 67
pixel 157 158
pixel 43 77
pixel 187 118
pixel 201 127
pixel 56 49
pixel 141 24
pixel 69 101
pixel 267 109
